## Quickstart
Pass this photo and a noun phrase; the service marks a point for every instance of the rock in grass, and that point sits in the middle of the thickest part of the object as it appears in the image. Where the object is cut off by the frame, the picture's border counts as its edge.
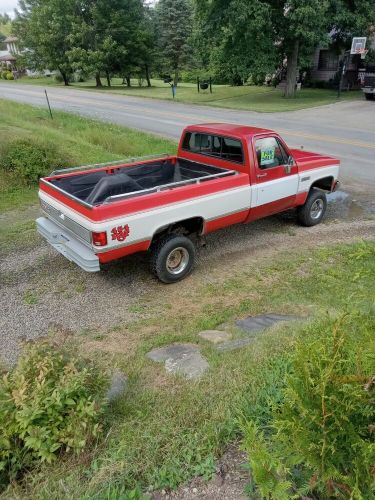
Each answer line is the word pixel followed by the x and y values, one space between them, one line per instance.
pixel 118 386
pixel 184 359
pixel 215 336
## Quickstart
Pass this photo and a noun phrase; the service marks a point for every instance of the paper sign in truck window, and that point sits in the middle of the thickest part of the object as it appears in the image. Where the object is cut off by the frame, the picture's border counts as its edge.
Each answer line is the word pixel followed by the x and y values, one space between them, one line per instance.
pixel 267 156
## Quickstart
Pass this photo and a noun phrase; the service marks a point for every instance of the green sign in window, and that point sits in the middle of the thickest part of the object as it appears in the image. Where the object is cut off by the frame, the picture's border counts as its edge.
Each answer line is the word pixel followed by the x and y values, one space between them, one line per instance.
pixel 267 156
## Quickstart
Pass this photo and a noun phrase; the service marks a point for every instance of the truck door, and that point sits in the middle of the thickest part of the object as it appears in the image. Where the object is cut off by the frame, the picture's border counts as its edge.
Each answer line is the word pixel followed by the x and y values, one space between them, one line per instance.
pixel 276 177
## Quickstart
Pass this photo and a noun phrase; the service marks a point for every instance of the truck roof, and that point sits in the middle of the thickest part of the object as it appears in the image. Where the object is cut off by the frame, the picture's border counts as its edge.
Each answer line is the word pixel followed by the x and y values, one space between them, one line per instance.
pixel 231 129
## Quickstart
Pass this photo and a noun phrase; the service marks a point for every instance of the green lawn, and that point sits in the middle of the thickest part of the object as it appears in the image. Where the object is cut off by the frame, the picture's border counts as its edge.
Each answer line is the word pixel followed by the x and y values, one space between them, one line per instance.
pixel 166 429
pixel 255 98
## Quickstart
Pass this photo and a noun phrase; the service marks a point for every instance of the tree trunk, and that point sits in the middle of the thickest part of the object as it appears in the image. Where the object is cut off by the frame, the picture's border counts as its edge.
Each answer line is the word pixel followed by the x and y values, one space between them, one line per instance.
pixel 147 74
pixel 98 80
pixel 128 82
pixel 175 79
pixel 108 78
pixel 64 77
pixel 291 72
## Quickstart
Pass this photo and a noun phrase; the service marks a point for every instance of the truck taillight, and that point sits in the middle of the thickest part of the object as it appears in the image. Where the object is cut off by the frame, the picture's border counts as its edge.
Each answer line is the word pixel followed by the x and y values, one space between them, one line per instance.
pixel 99 239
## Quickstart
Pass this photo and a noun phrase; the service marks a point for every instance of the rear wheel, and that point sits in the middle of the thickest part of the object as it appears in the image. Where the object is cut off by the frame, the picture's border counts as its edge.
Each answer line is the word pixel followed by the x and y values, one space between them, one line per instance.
pixel 172 258
pixel 369 97
pixel 312 212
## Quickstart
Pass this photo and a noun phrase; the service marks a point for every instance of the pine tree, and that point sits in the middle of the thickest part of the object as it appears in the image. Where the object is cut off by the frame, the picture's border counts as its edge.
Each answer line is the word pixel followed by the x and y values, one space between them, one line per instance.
pixel 175 24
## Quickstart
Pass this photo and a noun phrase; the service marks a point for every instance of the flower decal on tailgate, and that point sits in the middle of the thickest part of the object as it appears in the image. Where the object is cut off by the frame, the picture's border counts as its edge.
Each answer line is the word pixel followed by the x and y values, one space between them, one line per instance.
pixel 120 233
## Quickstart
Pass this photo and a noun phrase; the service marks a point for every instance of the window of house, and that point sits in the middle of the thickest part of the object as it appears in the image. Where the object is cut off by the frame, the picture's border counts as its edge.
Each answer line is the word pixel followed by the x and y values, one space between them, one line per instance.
pixel 270 153
pixel 328 60
pixel 224 148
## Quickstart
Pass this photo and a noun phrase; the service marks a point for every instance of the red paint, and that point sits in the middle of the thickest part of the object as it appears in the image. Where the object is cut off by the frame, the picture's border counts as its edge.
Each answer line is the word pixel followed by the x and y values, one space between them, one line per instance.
pixel 123 251
pixel 228 220
pixel 272 208
pixel 120 233
pixel 301 198
pixel 308 161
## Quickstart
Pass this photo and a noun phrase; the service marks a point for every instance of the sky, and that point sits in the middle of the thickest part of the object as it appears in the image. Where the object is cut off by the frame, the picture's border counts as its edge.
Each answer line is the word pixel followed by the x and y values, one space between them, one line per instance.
pixel 8 6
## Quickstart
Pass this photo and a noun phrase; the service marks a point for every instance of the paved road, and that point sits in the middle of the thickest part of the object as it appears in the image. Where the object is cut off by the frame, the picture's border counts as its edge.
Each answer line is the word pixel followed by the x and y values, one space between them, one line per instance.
pixel 345 130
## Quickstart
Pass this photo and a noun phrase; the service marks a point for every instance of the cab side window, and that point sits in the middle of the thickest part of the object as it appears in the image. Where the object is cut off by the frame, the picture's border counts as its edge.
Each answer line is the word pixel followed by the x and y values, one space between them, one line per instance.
pixel 270 153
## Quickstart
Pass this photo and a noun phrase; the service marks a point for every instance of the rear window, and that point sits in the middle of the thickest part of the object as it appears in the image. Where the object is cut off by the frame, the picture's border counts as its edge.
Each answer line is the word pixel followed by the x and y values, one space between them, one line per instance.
pixel 224 148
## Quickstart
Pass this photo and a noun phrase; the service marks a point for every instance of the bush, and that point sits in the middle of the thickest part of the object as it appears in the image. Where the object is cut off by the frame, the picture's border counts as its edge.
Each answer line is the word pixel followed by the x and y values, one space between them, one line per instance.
pixel 50 403
pixel 4 75
pixel 59 78
pixel 29 159
pixel 10 76
pixel 319 439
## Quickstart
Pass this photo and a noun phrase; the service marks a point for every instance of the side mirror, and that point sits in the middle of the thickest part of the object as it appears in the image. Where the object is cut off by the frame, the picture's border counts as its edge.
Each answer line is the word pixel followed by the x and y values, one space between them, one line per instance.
pixel 290 161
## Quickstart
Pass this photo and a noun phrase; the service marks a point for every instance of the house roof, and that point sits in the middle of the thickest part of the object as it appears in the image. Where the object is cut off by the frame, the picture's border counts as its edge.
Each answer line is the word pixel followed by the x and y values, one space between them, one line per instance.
pixel 11 39
pixel 7 57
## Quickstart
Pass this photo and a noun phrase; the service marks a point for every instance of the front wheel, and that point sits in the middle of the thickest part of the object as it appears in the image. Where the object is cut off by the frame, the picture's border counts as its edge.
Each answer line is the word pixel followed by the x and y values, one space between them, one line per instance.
pixel 312 212
pixel 172 258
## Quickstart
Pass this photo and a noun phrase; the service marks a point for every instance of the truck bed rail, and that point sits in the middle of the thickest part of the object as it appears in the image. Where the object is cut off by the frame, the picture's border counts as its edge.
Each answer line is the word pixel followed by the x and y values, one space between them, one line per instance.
pixel 132 159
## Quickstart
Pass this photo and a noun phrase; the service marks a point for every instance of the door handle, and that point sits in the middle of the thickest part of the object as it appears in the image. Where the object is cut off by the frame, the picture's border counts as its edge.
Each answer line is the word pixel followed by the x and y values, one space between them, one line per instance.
pixel 261 175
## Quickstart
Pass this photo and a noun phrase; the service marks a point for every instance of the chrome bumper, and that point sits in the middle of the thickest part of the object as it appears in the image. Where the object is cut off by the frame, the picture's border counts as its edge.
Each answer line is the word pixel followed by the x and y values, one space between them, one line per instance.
pixel 65 243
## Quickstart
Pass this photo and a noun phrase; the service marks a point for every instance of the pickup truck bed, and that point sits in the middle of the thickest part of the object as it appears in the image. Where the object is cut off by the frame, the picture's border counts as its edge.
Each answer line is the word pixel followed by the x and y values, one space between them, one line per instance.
pixel 117 182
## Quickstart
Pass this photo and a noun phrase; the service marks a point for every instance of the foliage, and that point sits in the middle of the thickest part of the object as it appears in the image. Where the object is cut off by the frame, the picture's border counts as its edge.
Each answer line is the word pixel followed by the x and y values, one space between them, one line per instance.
pixel 175 24
pixel 50 403
pixel 320 435
pixel 43 29
pixel 10 76
pixel 29 159
pixel 228 30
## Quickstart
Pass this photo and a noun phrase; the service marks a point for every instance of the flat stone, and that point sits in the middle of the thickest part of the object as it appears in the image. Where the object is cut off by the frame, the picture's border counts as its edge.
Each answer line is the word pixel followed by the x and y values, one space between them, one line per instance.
pixel 215 336
pixel 263 321
pixel 184 359
pixel 234 344
pixel 118 386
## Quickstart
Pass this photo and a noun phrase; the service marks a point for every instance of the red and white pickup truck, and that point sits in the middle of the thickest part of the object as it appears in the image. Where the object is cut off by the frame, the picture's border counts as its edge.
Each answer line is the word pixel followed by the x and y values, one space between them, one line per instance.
pixel 222 175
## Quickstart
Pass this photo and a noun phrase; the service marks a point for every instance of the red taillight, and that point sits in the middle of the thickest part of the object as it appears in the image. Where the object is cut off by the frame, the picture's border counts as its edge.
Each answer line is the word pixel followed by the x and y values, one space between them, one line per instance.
pixel 99 239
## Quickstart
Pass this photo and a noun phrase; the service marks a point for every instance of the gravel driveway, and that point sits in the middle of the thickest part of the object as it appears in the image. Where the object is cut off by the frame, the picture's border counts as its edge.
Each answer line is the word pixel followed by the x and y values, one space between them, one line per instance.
pixel 41 291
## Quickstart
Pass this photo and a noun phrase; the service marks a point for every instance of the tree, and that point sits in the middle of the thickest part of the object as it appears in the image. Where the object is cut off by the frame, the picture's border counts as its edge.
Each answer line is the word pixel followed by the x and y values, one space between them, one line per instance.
pixel 300 25
pixel 5 18
pixel 175 24
pixel 105 36
pixel 43 28
pixel 236 39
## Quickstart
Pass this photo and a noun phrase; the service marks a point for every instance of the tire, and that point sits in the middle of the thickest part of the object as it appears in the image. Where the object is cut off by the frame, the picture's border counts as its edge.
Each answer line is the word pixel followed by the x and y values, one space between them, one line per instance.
pixel 172 258
pixel 369 97
pixel 312 212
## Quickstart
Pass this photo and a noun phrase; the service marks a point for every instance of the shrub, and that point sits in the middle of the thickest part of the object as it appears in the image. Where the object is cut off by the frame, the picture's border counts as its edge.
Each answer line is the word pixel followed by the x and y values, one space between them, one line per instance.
pixel 10 76
pixel 50 403
pixel 320 437
pixel 29 159
pixel 59 78
pixel 4 75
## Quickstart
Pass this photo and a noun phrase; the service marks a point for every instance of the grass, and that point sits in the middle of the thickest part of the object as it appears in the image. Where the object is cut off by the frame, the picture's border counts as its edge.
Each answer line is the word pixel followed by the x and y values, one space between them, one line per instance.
pixel 77 140
pixel 166 429
pixel 254 98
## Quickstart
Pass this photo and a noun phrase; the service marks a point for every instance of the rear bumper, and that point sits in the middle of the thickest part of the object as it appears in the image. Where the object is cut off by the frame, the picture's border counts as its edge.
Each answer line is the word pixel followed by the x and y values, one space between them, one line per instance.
pixel 67 245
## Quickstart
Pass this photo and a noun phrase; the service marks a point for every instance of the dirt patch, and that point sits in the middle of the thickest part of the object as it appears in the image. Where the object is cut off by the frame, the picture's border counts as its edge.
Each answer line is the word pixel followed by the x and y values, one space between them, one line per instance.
pixel 228 483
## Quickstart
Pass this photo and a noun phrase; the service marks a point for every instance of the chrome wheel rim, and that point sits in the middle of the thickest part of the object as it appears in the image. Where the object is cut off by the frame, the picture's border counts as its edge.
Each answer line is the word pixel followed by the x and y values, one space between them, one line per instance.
pixel 316 209
pixel 177 260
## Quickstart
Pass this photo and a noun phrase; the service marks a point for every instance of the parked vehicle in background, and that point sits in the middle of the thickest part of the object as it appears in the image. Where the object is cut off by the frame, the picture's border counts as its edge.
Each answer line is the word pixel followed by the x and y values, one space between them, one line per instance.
pixel 222 174
pixel 369 83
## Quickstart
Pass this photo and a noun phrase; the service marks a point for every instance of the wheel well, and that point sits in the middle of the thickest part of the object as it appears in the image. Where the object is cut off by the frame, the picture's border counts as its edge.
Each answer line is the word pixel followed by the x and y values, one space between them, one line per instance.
pixel 326 183
pixel 193 225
